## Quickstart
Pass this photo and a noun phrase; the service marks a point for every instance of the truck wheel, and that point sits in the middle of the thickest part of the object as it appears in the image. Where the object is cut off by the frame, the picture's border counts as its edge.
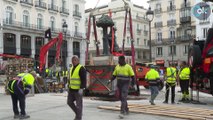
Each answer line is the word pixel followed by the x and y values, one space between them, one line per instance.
pixel 194 56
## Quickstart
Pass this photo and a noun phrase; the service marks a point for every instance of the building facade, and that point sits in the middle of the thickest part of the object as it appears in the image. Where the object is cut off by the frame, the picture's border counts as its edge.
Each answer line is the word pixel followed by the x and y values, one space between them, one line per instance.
pixel 140 29
pixel 24 22
pixel 170 40
pixel 203 24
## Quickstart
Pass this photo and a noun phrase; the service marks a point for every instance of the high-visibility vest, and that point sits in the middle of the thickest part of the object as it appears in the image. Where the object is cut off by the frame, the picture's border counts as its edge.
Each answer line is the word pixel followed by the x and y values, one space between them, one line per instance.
pixel 152 75
pixel 123 72
pixel 184 74
pixel 171 75
pixel 26 78
pixel 65 73
pixel 75 81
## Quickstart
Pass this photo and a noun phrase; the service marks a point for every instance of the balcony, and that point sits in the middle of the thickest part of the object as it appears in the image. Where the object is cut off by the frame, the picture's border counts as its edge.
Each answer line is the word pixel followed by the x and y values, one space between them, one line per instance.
pixel 77 34
pixel 145 32
pixel 39 4
pixel 171 8
pixel 171 23
pixel 203 22
pixel 14 1
pixel 64 11
pixel 184 38
pixel 16 25
pixel 164 41
pixel 77 14
pixel 158 11
pixel 27 2
pixel 185 19
pixel 138 31
pixel 158 24
pixel 53 8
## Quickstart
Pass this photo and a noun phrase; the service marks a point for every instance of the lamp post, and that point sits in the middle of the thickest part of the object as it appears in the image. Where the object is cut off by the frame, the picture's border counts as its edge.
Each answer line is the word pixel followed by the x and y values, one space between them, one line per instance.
pixel 172 52
pixel 64 26
pixel 150 16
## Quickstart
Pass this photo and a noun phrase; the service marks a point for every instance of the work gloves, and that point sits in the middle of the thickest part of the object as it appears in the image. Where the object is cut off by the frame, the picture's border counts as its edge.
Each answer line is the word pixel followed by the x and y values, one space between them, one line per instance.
pixel 80 91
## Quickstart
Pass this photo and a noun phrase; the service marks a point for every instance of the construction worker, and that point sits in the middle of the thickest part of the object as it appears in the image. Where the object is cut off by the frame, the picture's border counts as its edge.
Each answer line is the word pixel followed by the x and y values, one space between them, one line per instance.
pixel 65 75
pixel 19 87
pixel 77 83
pixel 123 73
pixel 184 76
pixel 152 76
pixel 170 76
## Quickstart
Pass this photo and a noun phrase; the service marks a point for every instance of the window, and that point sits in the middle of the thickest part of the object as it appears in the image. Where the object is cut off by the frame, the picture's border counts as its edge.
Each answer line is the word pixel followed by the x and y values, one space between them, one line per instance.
pixel 159 51
pixel 172 50
pixel 39 41
pixel 159 36
pixel 172 35
pixel 9 15
pixel 9 39
pixel 52 23
pixel 205 30
pixel 76 48
pixel 40 21
pixel 76 8
pixel 186 49
pixel 145 42
pixel 63 3
pixel 171 3
pixel 128 40
pixel 25 41
pixel 138 41
pixel 26 18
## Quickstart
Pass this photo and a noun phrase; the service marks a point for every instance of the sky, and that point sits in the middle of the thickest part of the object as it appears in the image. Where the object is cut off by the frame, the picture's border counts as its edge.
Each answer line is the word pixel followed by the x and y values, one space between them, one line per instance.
pixel 92 3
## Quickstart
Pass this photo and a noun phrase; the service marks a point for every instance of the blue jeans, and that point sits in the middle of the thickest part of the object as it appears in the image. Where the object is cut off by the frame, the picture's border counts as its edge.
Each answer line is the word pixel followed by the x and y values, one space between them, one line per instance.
pixel 154 92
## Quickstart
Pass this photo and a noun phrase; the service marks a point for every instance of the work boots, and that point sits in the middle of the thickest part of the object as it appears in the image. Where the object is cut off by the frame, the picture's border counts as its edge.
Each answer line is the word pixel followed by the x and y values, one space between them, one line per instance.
pixel 24 117
pixel 16 116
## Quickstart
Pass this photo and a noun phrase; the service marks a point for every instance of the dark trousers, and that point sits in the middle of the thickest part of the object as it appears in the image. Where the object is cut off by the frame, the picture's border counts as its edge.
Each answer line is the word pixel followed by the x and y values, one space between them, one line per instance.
pixel 123 86
pixel 168 86
pixel 76 107
pixel 17 96
pixel 184 85
pixel 21 99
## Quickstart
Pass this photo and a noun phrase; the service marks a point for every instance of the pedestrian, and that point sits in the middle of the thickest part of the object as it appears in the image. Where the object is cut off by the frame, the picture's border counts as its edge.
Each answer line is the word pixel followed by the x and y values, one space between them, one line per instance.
pixel 184 76
pixel 170 76
pixel 124 74
pixel 19 87
pixel 76 84
pixel 152 76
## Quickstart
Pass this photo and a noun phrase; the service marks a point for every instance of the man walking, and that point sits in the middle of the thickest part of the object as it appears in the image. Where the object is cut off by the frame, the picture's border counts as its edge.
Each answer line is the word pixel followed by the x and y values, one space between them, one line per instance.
pixel 123 73
pixel 170 83
pixel 77 83
pixel 152 76
pixel 19 87
pixel 184 76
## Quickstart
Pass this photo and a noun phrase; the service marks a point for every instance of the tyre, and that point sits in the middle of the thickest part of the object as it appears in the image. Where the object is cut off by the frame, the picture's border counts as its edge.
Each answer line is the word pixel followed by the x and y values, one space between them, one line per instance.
pixel 194 56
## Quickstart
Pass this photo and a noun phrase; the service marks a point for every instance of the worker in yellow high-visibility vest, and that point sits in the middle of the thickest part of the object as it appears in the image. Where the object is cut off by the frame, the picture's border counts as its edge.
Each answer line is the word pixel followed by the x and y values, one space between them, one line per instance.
pixel 184 77
pixel 170 76
pixel 153 77
pixel 76 83
pixel 125 75
pixel 19 87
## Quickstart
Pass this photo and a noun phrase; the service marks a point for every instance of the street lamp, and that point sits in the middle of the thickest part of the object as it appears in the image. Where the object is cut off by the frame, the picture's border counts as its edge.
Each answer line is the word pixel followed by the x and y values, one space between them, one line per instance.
pixel 64 26
pixel 150 16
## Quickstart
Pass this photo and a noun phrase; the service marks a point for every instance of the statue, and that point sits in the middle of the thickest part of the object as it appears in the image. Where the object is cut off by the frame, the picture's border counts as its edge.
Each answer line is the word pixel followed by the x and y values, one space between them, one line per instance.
pixel 105 22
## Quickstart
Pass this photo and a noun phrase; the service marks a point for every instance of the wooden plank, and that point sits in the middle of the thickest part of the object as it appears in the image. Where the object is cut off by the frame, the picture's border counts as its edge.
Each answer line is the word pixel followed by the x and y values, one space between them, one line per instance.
pixel 174 109
pixel 157 113
pixel 170 106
